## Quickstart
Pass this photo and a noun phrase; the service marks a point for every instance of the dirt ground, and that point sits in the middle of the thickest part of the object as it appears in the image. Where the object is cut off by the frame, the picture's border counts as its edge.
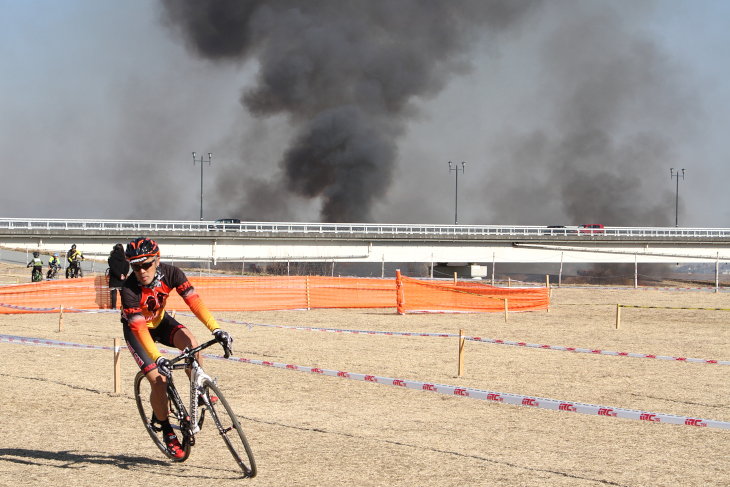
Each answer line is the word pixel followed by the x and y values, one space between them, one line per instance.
pixel 62 425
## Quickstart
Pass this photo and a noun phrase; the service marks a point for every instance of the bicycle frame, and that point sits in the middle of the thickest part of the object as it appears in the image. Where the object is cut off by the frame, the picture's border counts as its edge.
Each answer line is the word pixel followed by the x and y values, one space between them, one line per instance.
pixel 197 377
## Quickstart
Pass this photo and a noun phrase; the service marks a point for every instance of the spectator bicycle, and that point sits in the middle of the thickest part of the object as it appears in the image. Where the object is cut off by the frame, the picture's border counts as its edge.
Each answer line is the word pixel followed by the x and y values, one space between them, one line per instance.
pixel 53 272
pixel 74 269
pixel 36 275
pixel 188 422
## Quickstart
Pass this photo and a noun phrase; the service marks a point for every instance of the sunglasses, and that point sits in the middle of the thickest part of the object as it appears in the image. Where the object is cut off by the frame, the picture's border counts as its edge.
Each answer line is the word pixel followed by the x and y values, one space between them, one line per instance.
pixel 142 266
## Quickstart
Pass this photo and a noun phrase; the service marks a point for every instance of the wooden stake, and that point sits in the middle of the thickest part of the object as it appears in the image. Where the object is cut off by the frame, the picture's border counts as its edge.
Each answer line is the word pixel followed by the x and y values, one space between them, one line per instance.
pixel 547 285
pixel 506 309
pixel 60 320
pixel 308 293
pixel 117 369
pixel 461 352
pixel 509 282
pixel 454 277
pixel 618 316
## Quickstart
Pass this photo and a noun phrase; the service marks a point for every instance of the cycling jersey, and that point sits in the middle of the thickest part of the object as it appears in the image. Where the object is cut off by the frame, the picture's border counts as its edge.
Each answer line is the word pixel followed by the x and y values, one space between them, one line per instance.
pixel 36 262
pixel 143 307
pixel 74 254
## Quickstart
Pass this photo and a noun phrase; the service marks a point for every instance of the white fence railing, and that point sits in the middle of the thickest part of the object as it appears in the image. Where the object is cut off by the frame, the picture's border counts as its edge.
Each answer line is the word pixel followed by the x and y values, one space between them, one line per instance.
pixel 345 229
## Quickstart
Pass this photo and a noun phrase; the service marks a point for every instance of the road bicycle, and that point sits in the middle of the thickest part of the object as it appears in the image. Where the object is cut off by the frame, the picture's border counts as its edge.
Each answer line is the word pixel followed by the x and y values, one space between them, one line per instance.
pixel 188 422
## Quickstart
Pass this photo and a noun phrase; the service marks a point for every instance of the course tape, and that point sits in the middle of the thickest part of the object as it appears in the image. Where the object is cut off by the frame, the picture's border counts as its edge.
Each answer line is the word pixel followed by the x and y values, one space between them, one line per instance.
pixel 488 340
pixel 445 335
pixel 670 307
pixel 484 395
pixel 642 288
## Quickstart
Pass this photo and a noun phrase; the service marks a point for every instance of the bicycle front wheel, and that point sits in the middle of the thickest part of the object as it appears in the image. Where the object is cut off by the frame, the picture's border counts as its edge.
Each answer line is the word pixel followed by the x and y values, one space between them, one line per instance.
pixel 231 431
pixel 142 391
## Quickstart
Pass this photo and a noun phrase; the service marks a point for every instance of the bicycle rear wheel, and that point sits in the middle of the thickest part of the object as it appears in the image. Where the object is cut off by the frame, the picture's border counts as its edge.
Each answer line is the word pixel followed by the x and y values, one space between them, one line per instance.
pixel 142 391
pixel 231 431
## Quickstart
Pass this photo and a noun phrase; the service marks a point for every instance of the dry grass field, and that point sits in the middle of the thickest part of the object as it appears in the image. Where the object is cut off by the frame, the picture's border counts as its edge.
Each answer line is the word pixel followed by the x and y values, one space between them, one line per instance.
pixel 62 424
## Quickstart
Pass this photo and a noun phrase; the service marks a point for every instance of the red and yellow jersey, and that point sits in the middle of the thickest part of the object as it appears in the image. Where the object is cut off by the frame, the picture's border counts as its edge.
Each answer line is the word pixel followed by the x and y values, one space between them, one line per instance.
pixel 143 307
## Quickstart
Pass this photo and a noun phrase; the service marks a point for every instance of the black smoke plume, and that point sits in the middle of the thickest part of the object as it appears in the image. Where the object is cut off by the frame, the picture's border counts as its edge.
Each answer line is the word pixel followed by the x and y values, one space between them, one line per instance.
pixel 614 109
pixel 346 73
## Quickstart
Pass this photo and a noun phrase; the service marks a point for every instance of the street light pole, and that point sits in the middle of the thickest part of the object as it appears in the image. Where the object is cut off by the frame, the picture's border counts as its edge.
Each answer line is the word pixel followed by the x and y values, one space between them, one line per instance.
pixel 201 178
pixel 676 201
pixel 456 203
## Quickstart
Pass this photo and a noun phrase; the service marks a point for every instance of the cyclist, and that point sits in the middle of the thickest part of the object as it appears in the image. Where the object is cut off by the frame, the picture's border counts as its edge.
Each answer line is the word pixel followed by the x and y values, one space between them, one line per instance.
pixel 54 265
pixel 74 258
pixel 37 273
pixel 144 321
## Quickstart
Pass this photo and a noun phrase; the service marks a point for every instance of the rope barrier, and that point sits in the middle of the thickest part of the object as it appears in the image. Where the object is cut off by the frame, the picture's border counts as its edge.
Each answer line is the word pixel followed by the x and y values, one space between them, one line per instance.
pixel 452 335
pixel 484 395
pixel 672 307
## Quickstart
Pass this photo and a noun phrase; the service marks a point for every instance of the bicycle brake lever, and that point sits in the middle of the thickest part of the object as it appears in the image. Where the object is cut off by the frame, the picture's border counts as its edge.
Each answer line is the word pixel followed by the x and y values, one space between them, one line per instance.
pixel 227 352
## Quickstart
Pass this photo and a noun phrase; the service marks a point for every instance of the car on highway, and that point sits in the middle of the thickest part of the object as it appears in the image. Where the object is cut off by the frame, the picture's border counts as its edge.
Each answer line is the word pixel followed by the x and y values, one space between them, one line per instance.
pixel 225 224
pixel 591 228
pixel 560 230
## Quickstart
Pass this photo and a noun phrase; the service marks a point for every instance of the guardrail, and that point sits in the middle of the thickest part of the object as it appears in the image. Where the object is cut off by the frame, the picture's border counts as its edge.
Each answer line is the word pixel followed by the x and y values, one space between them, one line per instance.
pixel 141 226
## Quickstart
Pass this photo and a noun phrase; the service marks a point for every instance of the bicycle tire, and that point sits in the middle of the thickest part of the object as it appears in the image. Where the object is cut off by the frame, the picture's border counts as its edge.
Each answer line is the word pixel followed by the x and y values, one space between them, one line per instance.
pixel 142 388
pixel 227 422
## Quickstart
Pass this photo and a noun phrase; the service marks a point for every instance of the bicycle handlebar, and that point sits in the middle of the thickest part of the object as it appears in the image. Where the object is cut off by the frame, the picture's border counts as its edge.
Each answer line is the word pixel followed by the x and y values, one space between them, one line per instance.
pixel 189 353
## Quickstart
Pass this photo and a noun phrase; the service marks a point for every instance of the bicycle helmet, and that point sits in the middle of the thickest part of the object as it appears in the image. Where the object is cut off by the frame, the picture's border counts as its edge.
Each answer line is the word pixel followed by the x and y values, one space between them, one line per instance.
pixel 36 254
pixel 73 246
pixel 141 249
pixel 55 254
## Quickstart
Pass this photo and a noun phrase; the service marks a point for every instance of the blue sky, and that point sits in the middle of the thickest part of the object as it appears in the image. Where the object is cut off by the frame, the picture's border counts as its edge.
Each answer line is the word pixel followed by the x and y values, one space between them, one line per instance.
pixel 101 107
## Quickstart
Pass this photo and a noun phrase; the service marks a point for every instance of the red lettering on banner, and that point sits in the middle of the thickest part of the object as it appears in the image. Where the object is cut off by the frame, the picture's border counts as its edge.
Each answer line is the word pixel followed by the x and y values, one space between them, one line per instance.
pixel 293 367
pixel 461 392
pixel 371 378
pixel 478 338
pixel 623 354
pixel 679 358
pixel 498 341
pixel 650 356
pixel 694 422
pixel 544 346
pixel 315 370
pixel 649 417
pixel 570 349
pixel 494 397
pixel 429 387
pixel 530 402
pixel 398 382
pixel 567 406
pixel 596 351
pixel 607 412
pixel 343 374
pixel 711 361
pixel 522 344
pixel 268 364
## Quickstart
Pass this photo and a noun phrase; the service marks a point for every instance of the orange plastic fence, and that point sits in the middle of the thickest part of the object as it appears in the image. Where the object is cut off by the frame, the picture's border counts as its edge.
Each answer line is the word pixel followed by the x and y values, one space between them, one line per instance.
pixel 419 295
pixel 296 292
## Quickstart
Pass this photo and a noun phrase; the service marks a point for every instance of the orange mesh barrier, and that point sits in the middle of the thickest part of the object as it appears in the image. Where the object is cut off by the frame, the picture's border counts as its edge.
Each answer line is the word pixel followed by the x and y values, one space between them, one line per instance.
pixel 469 296
pixel 296 292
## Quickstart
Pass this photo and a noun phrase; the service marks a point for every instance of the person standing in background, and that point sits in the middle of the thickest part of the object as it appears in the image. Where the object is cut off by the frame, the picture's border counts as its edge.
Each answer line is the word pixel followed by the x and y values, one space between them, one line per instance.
pixel 118 271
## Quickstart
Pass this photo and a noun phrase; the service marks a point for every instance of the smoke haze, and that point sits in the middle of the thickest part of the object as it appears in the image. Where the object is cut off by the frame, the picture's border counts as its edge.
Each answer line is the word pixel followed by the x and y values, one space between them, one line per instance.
pixel 566 112
pixel 346 73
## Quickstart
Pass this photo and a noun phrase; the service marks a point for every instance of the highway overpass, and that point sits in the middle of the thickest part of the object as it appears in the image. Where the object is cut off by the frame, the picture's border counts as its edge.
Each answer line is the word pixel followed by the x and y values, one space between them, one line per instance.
pixel 373 243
